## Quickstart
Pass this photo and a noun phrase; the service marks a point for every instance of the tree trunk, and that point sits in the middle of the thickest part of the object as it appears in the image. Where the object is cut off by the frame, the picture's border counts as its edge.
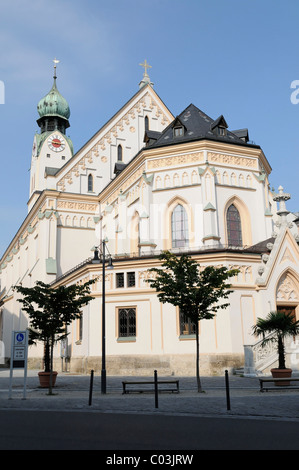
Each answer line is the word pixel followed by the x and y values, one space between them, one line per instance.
pixel 51 366
pixel 199 389
pixel 47 366
pixel 281 357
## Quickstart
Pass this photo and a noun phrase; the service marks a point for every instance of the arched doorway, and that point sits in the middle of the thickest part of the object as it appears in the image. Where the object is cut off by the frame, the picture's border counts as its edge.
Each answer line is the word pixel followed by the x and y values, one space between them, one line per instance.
pixel 287 294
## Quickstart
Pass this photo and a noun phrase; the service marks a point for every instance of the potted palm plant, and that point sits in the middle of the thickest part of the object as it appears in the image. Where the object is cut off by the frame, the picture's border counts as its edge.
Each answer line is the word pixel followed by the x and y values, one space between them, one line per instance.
pixel 277 325
pixel 50 310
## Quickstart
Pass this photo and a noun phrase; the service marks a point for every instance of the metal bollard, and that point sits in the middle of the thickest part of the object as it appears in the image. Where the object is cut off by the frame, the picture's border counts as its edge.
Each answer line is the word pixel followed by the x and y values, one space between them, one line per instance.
pixel 90 388
pixel 227 391
pixel 156 388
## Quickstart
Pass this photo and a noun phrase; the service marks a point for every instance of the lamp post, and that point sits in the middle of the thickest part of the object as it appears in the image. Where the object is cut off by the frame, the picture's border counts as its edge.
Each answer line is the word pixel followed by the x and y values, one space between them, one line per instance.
pixel 110 266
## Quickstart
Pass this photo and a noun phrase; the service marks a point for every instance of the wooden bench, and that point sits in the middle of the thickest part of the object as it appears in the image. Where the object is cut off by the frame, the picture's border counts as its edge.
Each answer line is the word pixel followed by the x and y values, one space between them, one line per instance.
pixel 278 387
pixel 150 382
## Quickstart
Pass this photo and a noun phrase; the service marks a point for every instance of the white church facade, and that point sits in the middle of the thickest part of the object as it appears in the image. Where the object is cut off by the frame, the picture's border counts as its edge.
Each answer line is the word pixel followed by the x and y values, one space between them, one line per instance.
pixel 145 182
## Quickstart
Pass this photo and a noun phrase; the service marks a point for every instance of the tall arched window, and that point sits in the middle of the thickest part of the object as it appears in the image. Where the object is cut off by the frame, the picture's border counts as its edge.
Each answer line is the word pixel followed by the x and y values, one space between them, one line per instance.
pixel 90 183
pixel 119 153
pixel 179 227
pixel 234 229
pixel 146 123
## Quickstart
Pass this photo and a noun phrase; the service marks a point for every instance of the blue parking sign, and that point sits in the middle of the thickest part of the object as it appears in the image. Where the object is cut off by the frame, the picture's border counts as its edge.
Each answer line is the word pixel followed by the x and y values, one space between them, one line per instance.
pixel 18 358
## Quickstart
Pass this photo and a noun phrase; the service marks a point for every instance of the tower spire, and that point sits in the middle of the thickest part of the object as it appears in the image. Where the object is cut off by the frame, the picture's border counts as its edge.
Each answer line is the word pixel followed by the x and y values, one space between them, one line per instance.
pixel 53 109
pixel 56 61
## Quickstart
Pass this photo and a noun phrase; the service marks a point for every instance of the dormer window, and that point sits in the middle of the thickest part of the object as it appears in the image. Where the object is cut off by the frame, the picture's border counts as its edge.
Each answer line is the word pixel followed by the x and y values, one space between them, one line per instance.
pixel 178 131
pixel 178 128
pixel 219 126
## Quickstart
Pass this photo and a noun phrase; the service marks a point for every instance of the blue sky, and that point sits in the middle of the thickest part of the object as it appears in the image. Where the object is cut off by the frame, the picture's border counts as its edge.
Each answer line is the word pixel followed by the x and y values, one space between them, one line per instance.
pixel 232 57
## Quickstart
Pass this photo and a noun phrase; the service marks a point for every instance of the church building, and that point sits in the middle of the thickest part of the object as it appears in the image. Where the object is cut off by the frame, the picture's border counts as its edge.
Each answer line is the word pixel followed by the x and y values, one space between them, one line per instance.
pixel 149 181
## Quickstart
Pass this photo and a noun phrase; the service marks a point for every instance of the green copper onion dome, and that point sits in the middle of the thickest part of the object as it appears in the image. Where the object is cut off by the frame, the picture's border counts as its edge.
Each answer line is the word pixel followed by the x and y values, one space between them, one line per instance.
pixel 53 110
pixel 54 104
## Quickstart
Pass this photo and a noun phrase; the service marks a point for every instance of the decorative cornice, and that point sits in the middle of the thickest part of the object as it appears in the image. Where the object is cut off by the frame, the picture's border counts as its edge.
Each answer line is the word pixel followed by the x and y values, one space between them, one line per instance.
pixel 233 160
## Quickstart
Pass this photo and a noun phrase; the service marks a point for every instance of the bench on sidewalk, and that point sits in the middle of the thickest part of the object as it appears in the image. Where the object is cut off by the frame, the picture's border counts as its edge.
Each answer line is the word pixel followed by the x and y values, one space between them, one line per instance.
pixel 284 383
pixel 150 382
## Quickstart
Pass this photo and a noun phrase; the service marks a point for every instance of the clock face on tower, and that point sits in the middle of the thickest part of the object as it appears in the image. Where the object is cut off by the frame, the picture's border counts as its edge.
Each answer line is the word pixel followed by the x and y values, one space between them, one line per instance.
pixel 56 143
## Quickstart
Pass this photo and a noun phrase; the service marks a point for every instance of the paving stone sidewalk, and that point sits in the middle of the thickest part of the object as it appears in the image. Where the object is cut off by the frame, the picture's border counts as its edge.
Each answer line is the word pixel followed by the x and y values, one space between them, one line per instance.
pixel 72 393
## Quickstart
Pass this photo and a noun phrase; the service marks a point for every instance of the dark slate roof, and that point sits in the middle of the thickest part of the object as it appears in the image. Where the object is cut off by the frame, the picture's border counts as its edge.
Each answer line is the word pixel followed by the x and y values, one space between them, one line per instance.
pixel 118 167
pixel 150 137
pixel 261 247
pixel 50 171
pixel 198 126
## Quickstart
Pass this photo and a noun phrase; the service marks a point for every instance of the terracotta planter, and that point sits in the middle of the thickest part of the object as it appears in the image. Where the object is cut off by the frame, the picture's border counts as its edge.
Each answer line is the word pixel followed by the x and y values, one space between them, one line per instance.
pixel 44 379
pixel 281 374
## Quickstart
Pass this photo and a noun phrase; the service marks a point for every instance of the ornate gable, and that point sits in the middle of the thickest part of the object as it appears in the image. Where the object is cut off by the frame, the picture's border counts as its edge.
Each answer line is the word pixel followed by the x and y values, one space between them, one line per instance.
pixel 284 255
pixel 287 289
pixel 125 129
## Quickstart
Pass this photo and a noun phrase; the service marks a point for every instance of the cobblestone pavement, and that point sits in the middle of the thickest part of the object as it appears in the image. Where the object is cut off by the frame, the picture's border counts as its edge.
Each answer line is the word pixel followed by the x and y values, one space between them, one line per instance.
pixel 71 393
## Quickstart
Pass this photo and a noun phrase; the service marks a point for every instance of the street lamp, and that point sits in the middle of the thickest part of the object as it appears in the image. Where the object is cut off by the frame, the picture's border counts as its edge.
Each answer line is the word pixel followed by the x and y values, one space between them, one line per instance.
pixel 110 266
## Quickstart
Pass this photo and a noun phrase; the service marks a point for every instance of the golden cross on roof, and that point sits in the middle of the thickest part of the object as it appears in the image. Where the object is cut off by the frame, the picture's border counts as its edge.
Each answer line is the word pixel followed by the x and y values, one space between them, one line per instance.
pixel 146 66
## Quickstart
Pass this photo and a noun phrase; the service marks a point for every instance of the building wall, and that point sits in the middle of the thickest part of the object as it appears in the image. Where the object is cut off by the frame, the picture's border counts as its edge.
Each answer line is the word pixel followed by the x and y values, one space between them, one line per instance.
pixel 132 212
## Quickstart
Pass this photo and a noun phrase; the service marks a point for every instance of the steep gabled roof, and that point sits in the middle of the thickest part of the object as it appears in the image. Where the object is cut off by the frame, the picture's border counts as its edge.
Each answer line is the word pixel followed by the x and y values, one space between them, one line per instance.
pixel 198 126
pixel 142 91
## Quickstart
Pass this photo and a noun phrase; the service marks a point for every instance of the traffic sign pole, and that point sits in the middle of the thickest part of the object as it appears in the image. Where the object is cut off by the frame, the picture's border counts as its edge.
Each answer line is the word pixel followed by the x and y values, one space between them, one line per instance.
pixel 18 357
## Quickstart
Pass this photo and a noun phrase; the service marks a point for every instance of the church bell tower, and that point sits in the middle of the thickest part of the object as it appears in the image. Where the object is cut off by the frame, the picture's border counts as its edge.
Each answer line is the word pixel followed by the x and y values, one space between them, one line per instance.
pixel 51 147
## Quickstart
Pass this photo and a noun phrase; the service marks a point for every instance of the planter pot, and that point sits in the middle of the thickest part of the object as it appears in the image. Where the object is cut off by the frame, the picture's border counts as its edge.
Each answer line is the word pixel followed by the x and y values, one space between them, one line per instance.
pixel 44 379
pixel 281 374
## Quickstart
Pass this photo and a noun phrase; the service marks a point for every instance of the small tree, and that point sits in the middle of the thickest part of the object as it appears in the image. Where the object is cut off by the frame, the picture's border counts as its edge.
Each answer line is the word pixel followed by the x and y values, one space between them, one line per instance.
pixel 278 325
pixel 50 311
pixel 195 291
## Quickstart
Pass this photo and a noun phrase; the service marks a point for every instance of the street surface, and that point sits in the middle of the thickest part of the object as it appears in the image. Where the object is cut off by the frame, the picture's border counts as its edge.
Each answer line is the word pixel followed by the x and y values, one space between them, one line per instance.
pixel 182 422
pixel 79 430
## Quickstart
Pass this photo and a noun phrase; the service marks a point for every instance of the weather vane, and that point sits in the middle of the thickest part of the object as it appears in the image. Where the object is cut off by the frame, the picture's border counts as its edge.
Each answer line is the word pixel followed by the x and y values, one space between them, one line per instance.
pixel 56 61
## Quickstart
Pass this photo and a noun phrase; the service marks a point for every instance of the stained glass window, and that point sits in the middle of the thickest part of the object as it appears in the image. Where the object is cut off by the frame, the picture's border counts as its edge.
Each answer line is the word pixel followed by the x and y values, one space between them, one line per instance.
pixel 179 227
pixel 234 229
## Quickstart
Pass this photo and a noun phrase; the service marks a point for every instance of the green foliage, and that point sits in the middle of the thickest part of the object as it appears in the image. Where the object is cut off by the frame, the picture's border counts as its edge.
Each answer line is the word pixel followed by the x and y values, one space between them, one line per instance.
pixel 280 324
pixel 195 291
pixel 182 282
pixel 50 310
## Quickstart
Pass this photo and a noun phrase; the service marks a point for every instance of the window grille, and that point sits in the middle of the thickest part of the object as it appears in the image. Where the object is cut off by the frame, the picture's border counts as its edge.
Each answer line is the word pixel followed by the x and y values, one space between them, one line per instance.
pixel 127 322
pixel 120 280
pixel 131 279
